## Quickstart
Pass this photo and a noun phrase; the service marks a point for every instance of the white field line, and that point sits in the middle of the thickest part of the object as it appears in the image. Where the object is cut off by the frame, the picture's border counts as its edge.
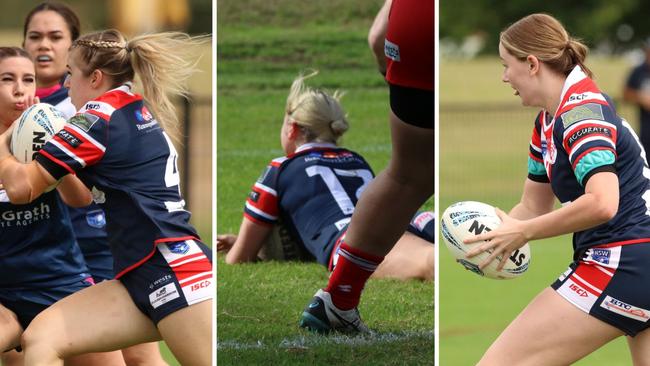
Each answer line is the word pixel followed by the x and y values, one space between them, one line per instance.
pixel 277 152
pixel 306 342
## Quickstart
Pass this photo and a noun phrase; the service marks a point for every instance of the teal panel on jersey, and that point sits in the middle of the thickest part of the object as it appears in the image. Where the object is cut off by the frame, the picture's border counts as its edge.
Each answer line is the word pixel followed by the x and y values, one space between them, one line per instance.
pixel 593 160
pixel 535 167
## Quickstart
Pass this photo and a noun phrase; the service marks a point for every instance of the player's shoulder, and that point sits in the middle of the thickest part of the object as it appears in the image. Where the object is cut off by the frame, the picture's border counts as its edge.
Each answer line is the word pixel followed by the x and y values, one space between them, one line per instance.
pixel 106 104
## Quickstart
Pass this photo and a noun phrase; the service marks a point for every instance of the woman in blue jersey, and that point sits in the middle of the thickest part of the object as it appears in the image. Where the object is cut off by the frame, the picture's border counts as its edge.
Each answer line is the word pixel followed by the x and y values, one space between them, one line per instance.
pixel 163 287
pixel 49 30
pixel 312 191
pixel 40 262
pixel 590 159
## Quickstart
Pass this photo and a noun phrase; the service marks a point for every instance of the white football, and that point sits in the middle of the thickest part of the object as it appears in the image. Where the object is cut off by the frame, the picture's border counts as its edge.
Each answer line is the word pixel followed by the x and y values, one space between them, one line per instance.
pixel 468 218
pixel 33 129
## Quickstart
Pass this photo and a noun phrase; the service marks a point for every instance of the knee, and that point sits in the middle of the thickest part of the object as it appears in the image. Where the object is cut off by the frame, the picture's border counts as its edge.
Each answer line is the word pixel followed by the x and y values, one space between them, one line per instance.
pixel 38 341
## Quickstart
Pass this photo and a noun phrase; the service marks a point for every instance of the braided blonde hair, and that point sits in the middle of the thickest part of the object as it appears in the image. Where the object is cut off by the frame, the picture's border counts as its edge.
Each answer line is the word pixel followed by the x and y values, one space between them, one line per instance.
pixel 162 61
pixel 320 115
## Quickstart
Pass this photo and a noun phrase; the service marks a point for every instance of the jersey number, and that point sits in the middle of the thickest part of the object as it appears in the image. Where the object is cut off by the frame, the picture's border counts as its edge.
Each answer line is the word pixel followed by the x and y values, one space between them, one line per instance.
pixel 172 178
pixel 330 177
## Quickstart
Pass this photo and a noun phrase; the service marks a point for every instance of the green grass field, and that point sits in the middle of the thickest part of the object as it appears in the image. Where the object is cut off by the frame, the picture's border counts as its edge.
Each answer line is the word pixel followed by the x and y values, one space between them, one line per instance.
pixel 484 136
pixel 258 305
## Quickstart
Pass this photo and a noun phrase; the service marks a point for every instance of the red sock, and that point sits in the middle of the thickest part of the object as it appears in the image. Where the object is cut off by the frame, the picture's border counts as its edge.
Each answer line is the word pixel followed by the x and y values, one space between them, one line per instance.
pixel 353 268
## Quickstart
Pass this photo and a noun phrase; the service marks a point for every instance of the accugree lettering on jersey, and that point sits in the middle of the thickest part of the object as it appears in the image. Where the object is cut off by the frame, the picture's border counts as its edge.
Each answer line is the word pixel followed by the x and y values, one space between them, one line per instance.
pixel 625 309
pixel 12 218
pixel 581 113
pixel 84 121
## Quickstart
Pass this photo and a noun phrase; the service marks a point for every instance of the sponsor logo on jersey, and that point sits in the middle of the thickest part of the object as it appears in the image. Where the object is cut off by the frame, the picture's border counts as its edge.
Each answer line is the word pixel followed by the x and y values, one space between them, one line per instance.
pixel 601 255
pixel 71 139
pixel 143 115
pixel 179 248
pixel 578 290
pixel 581 113
pixel 12 218
pixel 96 219
pixel 254 196
pixel 84 121
pixel 160 281
pixel 625 309
pixel 588 131
pixel 577 98
pixel 391 50
pixel 98 195
pixel 200 285
pixel 92 106
pixel 163 295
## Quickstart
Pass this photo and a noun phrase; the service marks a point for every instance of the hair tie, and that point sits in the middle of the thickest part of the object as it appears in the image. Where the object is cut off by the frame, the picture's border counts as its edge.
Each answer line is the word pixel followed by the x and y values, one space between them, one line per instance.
pixel 127 48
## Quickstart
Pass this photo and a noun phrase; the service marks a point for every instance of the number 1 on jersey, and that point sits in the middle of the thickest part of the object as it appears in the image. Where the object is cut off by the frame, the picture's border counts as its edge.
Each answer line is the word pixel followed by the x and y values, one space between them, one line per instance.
pixel 334 185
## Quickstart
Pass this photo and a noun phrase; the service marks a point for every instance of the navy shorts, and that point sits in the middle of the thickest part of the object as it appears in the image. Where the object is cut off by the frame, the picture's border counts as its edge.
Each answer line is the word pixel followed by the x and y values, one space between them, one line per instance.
pixel 98 257
pixel 610 283
pixel 27 303
pixel 176 276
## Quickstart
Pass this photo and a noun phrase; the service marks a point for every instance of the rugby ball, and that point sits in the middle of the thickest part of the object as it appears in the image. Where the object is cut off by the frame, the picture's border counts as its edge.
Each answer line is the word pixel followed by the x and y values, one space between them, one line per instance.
pixel 468 218
pixel 282 246
pixel 33 129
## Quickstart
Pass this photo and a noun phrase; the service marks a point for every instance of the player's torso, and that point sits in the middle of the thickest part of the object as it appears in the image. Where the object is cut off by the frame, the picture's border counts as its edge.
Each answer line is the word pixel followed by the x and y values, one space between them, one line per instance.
pixel 319 188
pixel 37 246
pixel 566 137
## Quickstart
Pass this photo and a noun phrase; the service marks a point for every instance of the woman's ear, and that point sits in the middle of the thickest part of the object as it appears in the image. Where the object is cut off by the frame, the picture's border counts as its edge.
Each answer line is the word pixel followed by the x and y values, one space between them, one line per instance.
pixel 293 130
pixel 96 78
pixel 533 64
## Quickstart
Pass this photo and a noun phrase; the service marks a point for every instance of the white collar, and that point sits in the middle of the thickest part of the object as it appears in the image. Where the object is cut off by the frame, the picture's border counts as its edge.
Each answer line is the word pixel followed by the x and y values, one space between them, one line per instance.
pixel 311 145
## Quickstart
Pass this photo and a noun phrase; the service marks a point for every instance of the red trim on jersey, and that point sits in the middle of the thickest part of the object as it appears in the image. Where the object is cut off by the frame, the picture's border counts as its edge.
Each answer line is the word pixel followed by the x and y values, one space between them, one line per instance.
pixel 155 243
pixel 575 162
pixel 530 154
pixel 275 163
pixel 56 161
pixel 182 238
pixel 585 85
pixel 193 268
pixel 99 114
pixel 593 275
pixel 266 202
pixel 86 151
pixel 118 98
pixel 613 137
pixel 624 242
pixel 198 279
pixel 584 286
pixel 184 258
pixel 137 264
pixel 256 220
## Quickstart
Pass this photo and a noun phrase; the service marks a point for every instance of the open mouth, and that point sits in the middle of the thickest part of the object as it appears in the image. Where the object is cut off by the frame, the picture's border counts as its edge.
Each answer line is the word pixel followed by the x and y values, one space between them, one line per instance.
pixel 43 58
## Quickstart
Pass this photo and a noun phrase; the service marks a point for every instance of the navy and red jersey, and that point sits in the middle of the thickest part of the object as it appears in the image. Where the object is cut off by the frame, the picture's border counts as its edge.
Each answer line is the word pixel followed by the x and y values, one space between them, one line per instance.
pixel 118 149
pixel 582 138
pixel 37 246
pixel 88 222
pixel 409 44
pixel 314 192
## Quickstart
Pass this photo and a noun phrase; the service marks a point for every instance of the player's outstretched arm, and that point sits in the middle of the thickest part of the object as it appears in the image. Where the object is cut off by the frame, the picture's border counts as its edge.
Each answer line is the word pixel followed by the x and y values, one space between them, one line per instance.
pixel 73 192
pixel 249 242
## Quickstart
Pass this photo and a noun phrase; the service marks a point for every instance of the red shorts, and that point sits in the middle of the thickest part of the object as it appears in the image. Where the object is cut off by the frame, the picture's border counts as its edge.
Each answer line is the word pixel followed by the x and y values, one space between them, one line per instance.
pixel 409 44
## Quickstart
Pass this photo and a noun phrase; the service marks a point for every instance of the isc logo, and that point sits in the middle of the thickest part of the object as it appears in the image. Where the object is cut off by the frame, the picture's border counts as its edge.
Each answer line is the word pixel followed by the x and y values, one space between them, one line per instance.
pixel 200 285
pixel 580 291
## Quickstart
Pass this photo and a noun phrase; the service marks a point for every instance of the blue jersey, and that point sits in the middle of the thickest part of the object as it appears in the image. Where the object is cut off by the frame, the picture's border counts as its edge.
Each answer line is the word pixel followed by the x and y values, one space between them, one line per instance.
pixel 88 223
pixel 313 191
pixel 37 247
pixel 584 137
pixel 119 150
